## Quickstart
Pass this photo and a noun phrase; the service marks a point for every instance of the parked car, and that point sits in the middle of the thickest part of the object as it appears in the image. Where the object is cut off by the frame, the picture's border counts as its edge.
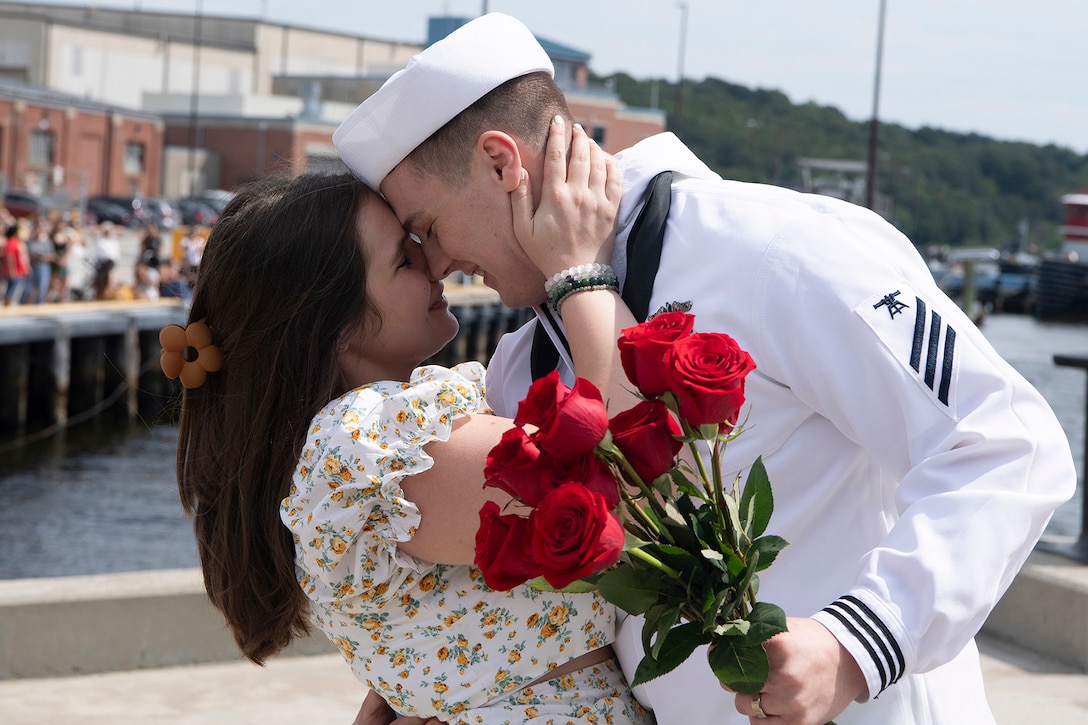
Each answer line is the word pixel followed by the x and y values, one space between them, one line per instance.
pixel 158 211
pixel 128 203
pixel 217 198
pixel 145 210
pixel 103 210
pixel 196 212
pixel 25 204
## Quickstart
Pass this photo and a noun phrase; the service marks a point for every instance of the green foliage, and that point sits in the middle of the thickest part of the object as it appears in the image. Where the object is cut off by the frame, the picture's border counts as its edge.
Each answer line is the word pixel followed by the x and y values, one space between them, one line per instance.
pixel 690 568
pixel 946 188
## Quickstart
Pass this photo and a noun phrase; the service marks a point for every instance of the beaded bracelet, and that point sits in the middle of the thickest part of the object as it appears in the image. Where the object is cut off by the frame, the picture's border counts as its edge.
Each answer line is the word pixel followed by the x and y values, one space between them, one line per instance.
pixel 575 272
pixel 580 278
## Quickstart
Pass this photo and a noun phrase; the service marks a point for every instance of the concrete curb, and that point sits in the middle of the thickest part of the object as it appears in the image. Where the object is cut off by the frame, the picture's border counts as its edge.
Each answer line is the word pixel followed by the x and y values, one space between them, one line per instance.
pixel 55 627
pixel 61 626
pixel 1045 610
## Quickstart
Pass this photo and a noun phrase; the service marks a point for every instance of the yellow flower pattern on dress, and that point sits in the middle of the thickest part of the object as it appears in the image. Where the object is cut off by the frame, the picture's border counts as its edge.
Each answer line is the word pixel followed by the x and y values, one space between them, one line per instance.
pixel 432 639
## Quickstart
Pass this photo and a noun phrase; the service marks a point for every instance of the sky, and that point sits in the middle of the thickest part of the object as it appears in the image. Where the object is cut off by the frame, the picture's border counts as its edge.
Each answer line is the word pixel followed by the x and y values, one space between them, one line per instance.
pixel 1007 69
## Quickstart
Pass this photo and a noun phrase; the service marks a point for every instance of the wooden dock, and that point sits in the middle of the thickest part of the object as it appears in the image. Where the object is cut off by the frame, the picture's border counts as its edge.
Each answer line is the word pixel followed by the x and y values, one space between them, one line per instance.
pixel 64 363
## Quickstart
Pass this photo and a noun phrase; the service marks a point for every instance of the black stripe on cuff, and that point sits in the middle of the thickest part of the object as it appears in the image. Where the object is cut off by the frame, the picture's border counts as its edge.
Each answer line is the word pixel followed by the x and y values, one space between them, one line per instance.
pixel 864 642
pixel 900 660
pixel 873 634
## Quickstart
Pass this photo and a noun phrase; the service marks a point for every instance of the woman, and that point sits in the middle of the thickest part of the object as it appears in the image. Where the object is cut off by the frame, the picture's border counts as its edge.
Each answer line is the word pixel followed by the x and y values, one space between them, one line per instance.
pixel 41 253
pixel 147 266
pixel 320 307
pixel 16 266
pixel 65 237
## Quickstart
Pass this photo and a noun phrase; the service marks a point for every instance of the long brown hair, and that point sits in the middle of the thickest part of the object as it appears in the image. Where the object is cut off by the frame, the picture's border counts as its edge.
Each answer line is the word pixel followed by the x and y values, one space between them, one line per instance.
pixel 281 278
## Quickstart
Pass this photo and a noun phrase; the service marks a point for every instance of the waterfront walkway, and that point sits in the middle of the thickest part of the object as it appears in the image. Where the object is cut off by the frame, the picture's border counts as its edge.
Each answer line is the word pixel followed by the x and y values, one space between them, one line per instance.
pixel 1034 652
pixel 1022 687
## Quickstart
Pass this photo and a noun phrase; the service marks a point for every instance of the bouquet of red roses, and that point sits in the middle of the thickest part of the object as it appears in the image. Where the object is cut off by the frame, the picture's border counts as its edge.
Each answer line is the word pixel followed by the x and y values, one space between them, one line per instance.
pixel 615 506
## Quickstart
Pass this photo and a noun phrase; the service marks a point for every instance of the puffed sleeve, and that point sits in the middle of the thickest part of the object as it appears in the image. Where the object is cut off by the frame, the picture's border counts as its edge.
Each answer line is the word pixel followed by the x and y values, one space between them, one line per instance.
pixel 346 509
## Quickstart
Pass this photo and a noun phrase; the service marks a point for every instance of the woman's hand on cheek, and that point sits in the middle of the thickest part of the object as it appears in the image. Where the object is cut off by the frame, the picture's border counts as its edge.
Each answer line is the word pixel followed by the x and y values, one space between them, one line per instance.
pixel 574 223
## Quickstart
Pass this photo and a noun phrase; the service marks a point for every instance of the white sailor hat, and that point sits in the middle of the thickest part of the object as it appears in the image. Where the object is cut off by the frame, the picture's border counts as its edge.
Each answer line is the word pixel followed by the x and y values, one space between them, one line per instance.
pixel 436 85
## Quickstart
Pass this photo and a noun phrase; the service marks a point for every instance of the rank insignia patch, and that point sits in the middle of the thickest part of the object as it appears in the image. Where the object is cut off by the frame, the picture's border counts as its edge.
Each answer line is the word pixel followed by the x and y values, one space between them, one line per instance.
pixel 918 337
pixel 927 340
pixel 676 306
pixel 893 305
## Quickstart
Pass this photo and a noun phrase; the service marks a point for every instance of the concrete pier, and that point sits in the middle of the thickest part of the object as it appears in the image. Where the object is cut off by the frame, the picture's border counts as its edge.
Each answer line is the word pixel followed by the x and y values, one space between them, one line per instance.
pixel 61 363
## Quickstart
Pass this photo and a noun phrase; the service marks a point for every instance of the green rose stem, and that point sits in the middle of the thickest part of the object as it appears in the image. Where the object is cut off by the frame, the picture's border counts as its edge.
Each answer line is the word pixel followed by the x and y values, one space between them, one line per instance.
pixel 651 522
pixel 713 484
pixel 638 553
pixel 715 489
pixel 749 597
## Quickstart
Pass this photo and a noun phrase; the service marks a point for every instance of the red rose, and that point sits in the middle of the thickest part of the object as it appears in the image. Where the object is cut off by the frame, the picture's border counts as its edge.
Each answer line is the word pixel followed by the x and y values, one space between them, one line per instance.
pixel 504 551
pixel 587 470
pixel 575 534
pixel 569 421
pixel 646 434
pixel 705 372
pixel 540 402
pixel 643 347
pixel 512 465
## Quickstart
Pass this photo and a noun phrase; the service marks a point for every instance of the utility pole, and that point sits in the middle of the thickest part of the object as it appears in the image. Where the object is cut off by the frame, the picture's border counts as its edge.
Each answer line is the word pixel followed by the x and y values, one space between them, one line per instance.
pixel 194 100
pixel 680 65
pixel 874 124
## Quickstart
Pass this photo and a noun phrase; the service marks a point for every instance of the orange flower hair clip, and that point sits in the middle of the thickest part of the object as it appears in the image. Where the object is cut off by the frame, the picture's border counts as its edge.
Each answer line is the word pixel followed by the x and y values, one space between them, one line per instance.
pixel 188 353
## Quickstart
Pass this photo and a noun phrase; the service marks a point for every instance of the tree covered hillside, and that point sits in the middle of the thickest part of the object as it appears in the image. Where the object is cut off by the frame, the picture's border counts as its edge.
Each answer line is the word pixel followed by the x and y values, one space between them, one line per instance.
pixel 946 188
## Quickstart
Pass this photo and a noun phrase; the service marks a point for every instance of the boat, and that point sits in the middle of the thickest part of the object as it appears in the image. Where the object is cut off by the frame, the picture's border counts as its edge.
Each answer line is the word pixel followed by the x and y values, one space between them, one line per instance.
pixel 1061 285
pixel 994 281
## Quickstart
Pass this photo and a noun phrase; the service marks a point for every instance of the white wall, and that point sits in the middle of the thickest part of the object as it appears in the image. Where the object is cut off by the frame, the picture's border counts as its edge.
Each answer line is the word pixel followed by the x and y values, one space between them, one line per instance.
pixel 120 69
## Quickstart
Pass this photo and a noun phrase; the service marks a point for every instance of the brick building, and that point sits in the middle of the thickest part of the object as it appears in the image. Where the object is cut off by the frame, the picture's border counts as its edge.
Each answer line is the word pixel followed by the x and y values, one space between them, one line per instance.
pixel 231 98
pixel 65 147
pixel 234 150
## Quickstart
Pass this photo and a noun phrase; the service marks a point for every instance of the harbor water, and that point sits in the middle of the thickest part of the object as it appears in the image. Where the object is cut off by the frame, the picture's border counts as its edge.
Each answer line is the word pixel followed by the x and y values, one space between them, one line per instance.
pixel 102 499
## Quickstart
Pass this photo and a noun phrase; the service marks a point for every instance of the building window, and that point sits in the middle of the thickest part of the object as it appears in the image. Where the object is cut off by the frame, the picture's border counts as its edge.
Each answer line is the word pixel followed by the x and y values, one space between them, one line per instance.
pixel 77 61
pixel 42 148
pixel 134 158
pixel 566 73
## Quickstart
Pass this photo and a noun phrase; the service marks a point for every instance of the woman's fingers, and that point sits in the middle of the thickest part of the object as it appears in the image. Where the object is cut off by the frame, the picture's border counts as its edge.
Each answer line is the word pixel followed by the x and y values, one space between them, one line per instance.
pixel 555 155
pixel 578 168
pixel 598 168
pixel 521 208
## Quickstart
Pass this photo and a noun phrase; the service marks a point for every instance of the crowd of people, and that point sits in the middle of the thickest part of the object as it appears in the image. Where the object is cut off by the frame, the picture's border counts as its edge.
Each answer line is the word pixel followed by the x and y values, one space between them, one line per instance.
pixel 48 260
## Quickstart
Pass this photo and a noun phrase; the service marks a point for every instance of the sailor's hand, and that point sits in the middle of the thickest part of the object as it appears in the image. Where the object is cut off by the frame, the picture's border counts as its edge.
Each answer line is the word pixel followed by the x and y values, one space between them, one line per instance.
pixel 812 678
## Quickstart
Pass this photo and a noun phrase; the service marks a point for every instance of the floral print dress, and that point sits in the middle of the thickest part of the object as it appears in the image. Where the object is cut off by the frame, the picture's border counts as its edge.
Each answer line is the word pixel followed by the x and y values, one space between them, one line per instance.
pixel 432 639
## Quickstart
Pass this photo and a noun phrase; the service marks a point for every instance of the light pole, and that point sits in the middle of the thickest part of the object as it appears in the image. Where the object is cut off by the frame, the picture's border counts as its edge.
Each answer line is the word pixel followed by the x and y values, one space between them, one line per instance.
pixel 874 125
pixel 680 64
pixel 194 99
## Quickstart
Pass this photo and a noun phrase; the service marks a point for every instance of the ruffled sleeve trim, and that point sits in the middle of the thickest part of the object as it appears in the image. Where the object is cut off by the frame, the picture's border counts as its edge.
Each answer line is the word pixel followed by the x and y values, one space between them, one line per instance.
pixel 346 507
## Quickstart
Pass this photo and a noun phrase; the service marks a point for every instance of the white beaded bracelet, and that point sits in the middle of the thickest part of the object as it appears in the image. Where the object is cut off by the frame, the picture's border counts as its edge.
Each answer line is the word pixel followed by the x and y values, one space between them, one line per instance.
pixel 578 271
pixel 580 278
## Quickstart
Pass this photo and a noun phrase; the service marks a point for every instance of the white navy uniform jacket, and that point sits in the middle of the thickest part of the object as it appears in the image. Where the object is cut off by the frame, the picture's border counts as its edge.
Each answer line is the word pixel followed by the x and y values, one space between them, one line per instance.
pixel 913 469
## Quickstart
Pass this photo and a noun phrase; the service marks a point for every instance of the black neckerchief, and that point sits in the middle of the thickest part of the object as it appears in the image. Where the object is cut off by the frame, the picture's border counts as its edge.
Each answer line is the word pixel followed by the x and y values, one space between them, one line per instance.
pixel 643 258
